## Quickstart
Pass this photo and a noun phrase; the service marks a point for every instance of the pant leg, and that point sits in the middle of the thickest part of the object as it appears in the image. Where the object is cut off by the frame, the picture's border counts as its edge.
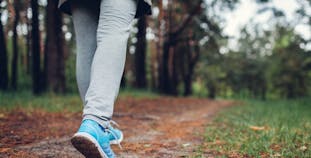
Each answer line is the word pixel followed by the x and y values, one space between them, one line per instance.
pixel 85 17
pixel 108 63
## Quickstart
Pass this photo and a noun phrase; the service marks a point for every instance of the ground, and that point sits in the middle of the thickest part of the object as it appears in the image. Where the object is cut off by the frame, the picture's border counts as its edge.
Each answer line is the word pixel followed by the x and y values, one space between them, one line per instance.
pixel 153 127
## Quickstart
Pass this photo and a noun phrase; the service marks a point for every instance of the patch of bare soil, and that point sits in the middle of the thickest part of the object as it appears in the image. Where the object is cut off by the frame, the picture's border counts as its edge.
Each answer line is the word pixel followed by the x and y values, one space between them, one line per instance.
pixel 162 127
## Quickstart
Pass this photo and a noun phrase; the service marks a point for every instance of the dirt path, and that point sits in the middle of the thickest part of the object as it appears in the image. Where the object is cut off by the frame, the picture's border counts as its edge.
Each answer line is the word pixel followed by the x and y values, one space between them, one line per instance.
pixel 161 127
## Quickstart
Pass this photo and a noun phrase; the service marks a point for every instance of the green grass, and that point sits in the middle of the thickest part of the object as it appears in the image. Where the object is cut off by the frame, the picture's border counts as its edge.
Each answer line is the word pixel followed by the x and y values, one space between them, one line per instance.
pixel 286 133
pixel 138 93
pixel 50 102
pixel 56 102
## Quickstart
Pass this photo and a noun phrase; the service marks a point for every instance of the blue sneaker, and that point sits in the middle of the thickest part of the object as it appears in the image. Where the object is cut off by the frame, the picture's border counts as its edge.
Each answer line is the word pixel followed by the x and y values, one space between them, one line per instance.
pixel 115 135
pixel 93 140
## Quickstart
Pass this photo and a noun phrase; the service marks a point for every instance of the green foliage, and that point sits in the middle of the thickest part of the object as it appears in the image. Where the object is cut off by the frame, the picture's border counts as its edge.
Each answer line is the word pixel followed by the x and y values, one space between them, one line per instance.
pixel 199 90
pixel 256 128
pixel 289 65
pixel 138 93
pixel 50 102
pixel 267 64
pixel 56 102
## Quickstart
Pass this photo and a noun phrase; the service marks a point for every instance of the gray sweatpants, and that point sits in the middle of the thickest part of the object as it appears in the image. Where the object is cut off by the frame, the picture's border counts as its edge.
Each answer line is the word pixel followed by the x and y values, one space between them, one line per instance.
pixel 102 30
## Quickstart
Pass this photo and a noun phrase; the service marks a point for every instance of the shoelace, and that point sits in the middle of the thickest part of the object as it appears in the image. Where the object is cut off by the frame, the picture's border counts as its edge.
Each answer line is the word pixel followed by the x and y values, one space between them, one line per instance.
pixel 111 122
pixel 114 123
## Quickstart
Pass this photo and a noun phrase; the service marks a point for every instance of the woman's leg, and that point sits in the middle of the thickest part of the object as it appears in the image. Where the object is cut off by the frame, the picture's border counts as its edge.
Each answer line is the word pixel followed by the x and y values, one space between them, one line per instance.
pixel 85 17
pixel 115 19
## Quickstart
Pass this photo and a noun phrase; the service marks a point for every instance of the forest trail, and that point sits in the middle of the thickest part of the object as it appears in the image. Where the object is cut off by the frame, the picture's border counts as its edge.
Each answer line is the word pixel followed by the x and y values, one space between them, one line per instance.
pixel 154 127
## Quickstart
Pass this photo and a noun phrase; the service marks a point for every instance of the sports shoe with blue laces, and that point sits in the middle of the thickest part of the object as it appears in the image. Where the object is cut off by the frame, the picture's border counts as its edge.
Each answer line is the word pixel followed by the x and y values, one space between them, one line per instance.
pixel 93 140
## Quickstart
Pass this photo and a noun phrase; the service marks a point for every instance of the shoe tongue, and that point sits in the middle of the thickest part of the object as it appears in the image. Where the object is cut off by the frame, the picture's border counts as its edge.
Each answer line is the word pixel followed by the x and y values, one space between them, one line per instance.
pixel 104 124
pixel 102 127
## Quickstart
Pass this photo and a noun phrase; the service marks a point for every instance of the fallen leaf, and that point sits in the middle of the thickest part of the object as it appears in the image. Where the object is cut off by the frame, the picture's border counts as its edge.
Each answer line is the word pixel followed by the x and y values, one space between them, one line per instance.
pixel 257 128
pixel 186 144
pixel 147 145
pixel 303 148
pixel 277 155
pixel 2 115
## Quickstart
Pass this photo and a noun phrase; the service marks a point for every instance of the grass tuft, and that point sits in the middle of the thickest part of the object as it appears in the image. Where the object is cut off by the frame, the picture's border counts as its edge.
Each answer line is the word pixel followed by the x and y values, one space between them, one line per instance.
pixel 262 129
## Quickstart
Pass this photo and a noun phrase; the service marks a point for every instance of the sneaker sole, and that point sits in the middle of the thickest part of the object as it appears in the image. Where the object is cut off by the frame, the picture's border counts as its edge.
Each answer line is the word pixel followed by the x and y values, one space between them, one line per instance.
pixel 87 145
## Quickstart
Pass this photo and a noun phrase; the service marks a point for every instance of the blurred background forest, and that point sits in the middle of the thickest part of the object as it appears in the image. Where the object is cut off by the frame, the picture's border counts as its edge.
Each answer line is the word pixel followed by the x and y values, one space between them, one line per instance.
pixel 185 48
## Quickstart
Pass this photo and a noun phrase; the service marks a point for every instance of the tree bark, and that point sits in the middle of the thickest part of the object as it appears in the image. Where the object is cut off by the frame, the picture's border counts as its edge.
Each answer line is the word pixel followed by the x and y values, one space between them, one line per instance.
pixel 28 46
pixel 36 71
pixel 156 74
pixel 174 57
pixel 54 52
pixel 14 71
pixel 140 54
pixel 3 59
pixel 193 57
pixel 164 83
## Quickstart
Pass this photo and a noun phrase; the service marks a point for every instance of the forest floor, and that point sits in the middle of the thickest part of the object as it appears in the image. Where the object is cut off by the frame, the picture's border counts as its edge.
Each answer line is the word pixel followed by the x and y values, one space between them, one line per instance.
pixel 153 127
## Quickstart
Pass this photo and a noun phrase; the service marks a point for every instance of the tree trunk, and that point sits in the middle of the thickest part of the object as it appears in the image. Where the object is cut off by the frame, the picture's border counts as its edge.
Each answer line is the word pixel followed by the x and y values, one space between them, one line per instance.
pixel 211 91
pixel 173 33
pixel 188 85
pixel 3 60
pixel 193 57
pixel 164 72
pixel 140 54
pixel 123 80
pixel 36 71
pixel 290 91
pixel 54 53
pixel 14 65
pixel 174 69
pixel 28 46
pixel 159 47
